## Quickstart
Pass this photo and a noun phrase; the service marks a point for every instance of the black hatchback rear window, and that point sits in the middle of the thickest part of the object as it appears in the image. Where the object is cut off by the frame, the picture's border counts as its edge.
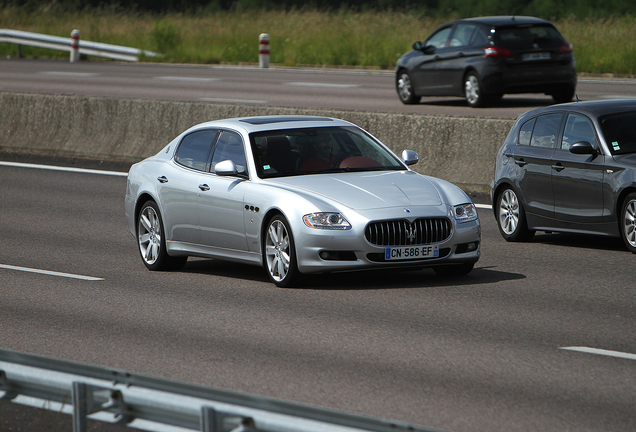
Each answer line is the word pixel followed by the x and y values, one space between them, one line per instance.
pixel 524 37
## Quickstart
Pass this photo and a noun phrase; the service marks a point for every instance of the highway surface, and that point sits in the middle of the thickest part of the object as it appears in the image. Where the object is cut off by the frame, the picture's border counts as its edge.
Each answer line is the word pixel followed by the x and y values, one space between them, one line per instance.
pixel 306 88
pixel 539 337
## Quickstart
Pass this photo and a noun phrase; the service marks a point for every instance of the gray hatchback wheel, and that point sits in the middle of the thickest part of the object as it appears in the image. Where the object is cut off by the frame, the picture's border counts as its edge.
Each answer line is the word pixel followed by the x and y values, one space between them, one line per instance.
pixel 280 253
pixel 628 222
pixel 511 218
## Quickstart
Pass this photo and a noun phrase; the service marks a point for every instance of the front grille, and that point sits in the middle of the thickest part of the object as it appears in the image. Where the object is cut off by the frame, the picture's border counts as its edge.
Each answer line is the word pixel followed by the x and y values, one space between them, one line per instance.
pixel 401 232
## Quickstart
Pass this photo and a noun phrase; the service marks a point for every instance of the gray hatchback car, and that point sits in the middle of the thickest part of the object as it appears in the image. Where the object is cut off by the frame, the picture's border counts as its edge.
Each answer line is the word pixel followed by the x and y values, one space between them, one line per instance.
pixel 569 168
pixel 484 58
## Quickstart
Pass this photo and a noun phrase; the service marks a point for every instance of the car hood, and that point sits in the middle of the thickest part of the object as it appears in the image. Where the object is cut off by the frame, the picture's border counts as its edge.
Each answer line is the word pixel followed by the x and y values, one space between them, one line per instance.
pixel 365 190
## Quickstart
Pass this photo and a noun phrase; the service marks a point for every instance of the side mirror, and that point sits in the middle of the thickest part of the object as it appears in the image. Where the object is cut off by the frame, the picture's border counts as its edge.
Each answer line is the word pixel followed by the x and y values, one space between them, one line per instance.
pixel 583 148
pixel 430 49
pixel 410 157
pixel 225 168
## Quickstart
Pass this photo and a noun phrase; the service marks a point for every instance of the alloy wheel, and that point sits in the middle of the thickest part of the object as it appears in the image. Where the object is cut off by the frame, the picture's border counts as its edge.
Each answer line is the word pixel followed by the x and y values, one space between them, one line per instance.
pixel 277 250
pixel 509 212
pixel 149 235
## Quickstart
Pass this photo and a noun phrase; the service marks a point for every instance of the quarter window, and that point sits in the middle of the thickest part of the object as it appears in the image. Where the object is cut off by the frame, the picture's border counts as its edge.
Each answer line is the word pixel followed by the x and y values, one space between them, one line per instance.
pixel 194 150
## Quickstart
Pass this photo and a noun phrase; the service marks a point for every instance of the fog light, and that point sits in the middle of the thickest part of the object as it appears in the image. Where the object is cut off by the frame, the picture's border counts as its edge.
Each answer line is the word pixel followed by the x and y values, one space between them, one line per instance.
pixel 324 255
pixel 471 247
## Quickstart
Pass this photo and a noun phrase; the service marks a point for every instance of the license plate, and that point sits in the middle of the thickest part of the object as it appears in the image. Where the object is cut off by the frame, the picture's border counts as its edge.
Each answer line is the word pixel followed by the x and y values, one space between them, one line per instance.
pixel 411 252
pixel 536 56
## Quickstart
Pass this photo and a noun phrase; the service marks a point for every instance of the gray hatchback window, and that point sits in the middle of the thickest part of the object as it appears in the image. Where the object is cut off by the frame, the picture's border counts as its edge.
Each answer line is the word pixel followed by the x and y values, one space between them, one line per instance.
pixel 546 130
pixel 578 128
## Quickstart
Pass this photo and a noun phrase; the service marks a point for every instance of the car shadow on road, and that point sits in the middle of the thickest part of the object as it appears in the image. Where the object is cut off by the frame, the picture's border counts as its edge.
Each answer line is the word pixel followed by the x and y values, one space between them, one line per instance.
pixel 505 102
pixel 359 280
pixel 406 279
pixel 581 241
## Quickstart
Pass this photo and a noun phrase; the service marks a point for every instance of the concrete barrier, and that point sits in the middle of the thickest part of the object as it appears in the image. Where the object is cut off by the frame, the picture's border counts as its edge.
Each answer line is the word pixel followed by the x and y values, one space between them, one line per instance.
pixel 460 150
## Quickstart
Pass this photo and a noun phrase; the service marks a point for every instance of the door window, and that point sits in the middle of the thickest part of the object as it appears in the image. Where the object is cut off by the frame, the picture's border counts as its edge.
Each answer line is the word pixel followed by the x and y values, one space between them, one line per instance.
pixel 438 40
pixel 546 130
pixel 462 35
pixel 230 147
pixel 578 128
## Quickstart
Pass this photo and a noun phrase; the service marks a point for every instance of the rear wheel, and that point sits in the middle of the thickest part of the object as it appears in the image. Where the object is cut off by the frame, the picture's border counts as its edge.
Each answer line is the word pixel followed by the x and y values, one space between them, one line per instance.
pixel 152 242
pixel 473 91
pixel 628 222
pixel 511 218
pixel 404 89
pixel 280 253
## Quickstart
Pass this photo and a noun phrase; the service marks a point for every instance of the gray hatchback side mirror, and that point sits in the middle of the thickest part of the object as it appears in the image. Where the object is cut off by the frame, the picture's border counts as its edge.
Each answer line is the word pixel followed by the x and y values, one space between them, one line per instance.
pixel 583 148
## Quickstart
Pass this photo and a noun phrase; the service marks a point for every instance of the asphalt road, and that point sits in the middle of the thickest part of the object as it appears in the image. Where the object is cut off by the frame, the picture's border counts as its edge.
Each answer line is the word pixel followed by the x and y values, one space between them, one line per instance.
pixel 484 352
pixel 306 88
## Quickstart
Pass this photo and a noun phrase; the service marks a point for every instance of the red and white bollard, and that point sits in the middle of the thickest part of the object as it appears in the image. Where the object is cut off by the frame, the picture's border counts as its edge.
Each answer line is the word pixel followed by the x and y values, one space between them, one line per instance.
pixel 75 54
pixel 263 50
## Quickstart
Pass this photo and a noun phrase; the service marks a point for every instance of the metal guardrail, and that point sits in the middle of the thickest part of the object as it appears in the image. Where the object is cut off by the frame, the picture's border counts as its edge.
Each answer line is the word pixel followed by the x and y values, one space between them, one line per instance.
pixel 98 49
pixel 142 402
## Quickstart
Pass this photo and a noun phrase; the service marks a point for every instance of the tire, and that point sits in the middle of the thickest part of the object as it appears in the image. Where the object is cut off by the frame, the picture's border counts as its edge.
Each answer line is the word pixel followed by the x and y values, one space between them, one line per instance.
pixel 404 89
pixel 152 242
pixel 563 96
pixel 473 91
pixel 454 270
pixel 628 222
pixel 279 253
pixel 511 217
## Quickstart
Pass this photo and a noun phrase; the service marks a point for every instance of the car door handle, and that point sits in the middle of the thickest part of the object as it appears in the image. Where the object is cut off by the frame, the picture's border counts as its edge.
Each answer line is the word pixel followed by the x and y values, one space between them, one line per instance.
pixel 162 179
pixel 520 162
pixel 204 187
pixel 558 167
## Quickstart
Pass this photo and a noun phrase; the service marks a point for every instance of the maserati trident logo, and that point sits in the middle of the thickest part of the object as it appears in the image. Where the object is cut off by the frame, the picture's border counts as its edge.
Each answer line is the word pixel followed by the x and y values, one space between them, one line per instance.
pixel 411 234
pixel 407 210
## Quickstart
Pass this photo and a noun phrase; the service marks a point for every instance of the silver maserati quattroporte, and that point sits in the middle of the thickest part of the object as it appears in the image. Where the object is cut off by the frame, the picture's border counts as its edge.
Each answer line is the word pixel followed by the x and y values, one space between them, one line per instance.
pixel 297 195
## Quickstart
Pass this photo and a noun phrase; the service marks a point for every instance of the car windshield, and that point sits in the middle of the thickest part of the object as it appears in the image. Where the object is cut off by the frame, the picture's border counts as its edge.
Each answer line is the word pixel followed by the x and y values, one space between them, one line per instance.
pixel 619 132
pixel 527 37
pixel 319 150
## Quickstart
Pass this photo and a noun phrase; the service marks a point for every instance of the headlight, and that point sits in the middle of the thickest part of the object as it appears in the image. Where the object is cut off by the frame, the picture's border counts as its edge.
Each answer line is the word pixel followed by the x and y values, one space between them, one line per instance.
pixel 331 221
pixel 465 212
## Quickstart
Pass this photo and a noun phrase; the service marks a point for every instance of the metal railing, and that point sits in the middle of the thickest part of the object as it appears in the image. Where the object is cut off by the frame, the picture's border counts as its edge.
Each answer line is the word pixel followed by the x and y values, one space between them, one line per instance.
pixel 88 48
pixel 142 402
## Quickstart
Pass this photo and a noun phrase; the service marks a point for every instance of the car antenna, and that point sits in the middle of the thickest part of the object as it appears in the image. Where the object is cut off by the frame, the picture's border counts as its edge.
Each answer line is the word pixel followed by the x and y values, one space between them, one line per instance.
pixel 577 98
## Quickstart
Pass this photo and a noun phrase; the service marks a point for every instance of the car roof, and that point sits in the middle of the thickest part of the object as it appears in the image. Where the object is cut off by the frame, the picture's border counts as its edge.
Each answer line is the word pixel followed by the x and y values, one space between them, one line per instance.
pixel 593 108
pixel 276 122
pixel 505 21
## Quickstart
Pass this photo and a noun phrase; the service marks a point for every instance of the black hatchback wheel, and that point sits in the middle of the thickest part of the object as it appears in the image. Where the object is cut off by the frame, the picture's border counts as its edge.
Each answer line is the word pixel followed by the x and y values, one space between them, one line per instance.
pixel 404 89
pixel 473 91
pixel 511 218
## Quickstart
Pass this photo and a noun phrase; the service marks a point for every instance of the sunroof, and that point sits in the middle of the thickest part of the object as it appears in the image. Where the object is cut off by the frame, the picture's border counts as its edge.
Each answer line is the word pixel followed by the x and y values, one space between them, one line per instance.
pixel 268 120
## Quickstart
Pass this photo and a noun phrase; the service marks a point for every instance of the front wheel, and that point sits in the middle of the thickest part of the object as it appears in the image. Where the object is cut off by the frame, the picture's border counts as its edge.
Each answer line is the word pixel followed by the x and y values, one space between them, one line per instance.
pixel 404 89
pixel 151 241
pixel 280 253
pixel 473 91
pixel 511 218
pixel 628 222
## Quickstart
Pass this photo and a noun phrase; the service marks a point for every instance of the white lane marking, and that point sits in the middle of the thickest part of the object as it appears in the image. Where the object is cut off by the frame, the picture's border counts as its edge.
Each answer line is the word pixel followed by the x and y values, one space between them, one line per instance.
pixel 68 169
pixel 601 352
pixel 50 273
pixel 484 206
pixel 187 79
pixel 250 101
pixel 70 74
pixel 322 85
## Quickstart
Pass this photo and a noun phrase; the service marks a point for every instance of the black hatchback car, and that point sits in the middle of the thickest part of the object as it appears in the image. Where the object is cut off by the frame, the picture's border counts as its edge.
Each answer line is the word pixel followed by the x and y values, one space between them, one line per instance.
pixel 482 59
pixel 569 168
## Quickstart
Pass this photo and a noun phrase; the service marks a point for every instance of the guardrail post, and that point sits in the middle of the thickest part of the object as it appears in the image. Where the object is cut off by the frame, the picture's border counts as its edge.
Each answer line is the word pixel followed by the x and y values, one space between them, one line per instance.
pixel 80 406
pixel 263 50
pixel 75 55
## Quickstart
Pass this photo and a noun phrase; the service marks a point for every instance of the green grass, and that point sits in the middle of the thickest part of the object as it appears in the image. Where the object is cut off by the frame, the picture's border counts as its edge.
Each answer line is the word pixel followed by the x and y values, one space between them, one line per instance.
pixel 365 39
